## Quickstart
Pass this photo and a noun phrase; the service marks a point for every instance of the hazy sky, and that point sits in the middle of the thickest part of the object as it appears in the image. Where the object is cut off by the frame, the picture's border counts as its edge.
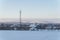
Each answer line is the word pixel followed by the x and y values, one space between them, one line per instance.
pixel 30 8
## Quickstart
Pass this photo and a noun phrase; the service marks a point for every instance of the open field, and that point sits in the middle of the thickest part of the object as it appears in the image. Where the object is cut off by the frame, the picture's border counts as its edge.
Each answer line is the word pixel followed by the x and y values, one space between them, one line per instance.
pixel 30 35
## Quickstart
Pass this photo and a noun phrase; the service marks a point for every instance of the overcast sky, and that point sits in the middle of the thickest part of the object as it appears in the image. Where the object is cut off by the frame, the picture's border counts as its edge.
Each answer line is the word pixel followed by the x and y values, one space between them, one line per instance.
pixel 30 8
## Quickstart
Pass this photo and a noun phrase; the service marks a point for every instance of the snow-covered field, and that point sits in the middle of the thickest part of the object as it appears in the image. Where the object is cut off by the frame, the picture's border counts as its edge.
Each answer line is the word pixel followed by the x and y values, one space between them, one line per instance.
pixel 30 35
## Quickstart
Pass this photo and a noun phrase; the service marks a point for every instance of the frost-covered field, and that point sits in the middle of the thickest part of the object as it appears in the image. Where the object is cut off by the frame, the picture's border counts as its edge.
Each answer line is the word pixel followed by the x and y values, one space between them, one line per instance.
pixel 29 35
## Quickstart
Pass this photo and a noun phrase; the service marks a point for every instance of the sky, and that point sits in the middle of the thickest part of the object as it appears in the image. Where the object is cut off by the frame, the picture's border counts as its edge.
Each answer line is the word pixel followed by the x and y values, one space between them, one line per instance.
pixel 30 8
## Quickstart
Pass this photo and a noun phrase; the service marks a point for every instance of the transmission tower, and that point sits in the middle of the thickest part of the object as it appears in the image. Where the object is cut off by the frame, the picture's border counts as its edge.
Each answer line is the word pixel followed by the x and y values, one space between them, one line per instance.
pixel 20 18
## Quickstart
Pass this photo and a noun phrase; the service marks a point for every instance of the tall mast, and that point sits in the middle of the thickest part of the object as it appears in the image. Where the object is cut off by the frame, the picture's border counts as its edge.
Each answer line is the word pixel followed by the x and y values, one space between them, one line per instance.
pixel 20 18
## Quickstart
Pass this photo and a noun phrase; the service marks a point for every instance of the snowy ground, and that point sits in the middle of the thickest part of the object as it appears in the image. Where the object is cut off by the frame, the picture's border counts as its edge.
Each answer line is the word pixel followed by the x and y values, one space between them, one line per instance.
pixel 29 35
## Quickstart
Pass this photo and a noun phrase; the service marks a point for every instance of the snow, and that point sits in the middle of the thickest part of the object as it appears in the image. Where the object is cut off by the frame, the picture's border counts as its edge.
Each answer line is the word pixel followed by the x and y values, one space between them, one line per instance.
pixel 30 35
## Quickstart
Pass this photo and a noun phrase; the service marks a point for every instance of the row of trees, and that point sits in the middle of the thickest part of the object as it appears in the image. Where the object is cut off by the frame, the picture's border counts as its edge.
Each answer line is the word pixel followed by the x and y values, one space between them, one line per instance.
pixel 48 26
pixel 14 27
pixel 28 27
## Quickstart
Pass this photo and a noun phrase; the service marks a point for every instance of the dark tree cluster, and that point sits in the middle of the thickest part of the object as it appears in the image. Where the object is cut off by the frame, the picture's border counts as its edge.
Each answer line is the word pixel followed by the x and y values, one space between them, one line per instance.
pixel 48 26
pixel 40 26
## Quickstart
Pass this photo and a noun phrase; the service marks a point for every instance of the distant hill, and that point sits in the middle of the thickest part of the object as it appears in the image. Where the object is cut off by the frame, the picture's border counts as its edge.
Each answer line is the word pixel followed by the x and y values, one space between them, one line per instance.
pixel 31 20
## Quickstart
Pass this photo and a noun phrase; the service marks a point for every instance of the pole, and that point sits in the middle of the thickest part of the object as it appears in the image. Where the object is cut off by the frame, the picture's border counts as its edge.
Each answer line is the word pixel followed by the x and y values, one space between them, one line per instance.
pixel 20 18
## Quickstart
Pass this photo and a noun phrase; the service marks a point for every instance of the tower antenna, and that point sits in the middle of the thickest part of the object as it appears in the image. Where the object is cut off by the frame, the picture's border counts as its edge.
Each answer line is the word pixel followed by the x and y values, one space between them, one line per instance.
pixel 20 18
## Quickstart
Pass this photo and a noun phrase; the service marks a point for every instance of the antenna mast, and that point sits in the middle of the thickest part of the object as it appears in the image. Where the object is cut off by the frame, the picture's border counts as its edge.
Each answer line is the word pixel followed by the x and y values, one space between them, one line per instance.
pixel 20 18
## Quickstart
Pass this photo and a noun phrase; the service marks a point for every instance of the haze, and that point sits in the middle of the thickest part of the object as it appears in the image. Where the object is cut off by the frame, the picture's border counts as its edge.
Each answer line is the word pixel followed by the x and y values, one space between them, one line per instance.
pixel 30 9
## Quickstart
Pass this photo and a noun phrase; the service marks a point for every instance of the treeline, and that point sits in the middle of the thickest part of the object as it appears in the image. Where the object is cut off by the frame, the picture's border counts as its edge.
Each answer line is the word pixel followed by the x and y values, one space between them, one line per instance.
pixel 39 26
